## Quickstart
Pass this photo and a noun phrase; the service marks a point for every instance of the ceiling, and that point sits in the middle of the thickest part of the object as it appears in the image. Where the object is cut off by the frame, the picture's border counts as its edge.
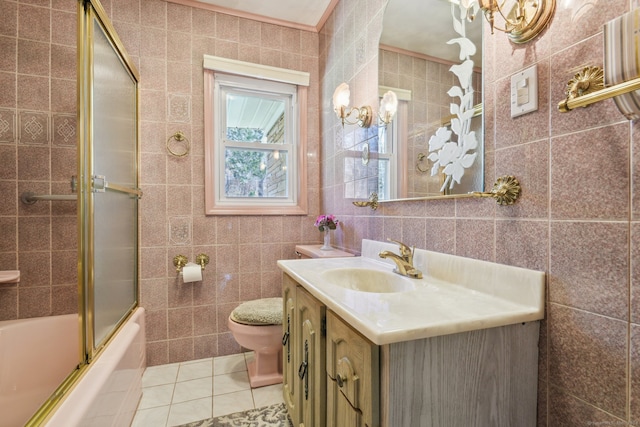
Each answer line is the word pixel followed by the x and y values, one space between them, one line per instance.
pixel 422 26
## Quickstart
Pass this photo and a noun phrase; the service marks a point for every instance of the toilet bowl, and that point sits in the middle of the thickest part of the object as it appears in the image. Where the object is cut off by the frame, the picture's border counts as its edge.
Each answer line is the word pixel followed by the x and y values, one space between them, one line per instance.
pixel 257 325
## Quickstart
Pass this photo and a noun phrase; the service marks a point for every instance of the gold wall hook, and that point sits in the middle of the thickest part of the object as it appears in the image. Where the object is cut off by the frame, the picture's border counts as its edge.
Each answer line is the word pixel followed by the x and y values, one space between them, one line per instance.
pixel 373 202
pixel 202 260
pixel 179 261
pixel 506 190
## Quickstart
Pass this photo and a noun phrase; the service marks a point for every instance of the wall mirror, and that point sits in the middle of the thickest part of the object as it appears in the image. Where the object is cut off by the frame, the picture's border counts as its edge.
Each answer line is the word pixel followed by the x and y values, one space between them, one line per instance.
pixel 424 59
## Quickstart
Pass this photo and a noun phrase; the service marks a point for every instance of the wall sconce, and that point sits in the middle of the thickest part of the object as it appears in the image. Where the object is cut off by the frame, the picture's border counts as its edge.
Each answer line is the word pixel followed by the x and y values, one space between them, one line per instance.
pixel 388 107
pixel 524 19
pixel 344 112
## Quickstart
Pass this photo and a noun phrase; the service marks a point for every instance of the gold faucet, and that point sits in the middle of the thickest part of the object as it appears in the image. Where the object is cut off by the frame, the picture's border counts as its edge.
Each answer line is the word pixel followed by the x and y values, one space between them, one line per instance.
pixel 404 261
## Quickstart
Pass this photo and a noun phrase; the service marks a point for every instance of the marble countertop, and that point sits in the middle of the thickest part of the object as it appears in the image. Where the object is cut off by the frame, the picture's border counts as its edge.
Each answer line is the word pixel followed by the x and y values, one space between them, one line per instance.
pixel 455 295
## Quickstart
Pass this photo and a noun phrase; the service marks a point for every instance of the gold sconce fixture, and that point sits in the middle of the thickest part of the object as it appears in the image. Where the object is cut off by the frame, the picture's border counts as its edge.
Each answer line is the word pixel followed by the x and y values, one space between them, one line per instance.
pixel 523 19
pixel 341 106
pixel 362 116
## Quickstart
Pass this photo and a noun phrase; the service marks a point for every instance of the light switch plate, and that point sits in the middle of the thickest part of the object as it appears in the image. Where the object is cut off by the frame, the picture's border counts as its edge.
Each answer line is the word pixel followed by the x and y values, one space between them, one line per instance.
pixel 524 91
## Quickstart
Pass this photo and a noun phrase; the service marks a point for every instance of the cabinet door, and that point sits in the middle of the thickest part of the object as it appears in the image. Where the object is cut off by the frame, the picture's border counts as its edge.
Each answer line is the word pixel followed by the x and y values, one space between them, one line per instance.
pixel 340 413
pixel 290 362
pixel 311 370
pixel 353 363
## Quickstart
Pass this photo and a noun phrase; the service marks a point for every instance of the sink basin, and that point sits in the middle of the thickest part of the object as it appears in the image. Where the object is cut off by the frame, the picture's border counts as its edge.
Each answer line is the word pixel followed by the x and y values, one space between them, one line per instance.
pixel 364 280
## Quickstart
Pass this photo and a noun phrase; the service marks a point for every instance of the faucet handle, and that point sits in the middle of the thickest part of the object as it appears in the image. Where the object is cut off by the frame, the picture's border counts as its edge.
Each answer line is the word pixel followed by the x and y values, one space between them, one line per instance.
pixel 405 250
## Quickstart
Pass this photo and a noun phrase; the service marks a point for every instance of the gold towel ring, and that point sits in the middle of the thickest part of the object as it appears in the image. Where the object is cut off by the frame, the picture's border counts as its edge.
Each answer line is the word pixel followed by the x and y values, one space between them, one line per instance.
pixel 179 136
pixel 421 157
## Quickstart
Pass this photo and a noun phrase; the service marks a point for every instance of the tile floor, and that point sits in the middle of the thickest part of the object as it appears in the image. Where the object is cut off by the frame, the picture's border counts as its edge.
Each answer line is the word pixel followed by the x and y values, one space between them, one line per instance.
pixel 180 393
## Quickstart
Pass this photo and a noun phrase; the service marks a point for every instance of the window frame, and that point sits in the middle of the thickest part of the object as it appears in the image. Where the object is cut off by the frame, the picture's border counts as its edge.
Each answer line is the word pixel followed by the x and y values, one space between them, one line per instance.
pixel 230 72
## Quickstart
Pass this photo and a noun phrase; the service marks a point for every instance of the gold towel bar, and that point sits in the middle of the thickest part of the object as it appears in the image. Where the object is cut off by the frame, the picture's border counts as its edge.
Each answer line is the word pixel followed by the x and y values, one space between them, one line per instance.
pixel 587 87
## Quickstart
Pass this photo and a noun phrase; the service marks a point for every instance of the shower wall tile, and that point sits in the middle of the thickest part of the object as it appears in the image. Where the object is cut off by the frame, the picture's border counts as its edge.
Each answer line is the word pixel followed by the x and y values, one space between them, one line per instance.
pixel 9 241
pixel 64 269
pixel 34 127
pixel 34 23
pixel 9 22
pixel 8 95
pixel 63 163
pixel 126 10
pixel 33 57
pixel 34 234
pixel 63 5
pixel 9 303
pixel 64 130
pixel 64 299
pixel 7 126
pixel 63 96
pixel 33 163
pixel 33 93
pixel 35 269
pixel 64 31
pixel 64 233
pixel 63 62
pixel 34 302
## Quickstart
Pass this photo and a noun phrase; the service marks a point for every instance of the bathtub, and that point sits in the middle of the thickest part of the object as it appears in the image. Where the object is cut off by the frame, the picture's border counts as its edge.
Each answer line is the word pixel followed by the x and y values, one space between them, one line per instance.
pixel 37 354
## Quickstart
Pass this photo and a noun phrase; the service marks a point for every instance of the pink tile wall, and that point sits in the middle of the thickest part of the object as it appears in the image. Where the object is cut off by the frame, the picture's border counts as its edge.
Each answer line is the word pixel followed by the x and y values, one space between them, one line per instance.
pixel 188 321
pixel 576 219
pixel 166 41
pixel 37 154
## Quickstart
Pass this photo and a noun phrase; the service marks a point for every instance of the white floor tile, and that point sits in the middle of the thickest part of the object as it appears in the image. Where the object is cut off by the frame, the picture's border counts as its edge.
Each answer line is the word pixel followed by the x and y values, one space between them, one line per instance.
pixel 228 364
pixel 156 417
pixel 196 369
pixel 191 390
pixel 229 383
pixel 187 412
pixel 159 395
pixel 232 402
pixel 162 374
pixel 268 395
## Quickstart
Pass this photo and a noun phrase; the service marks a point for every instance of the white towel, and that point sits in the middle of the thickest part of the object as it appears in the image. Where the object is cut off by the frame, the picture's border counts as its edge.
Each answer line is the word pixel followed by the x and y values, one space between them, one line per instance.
pixel 622 59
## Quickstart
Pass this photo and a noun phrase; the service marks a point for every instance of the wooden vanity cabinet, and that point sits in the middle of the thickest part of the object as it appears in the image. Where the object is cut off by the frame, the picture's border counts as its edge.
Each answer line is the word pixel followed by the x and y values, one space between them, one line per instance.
pixel 352 371
pixel 479 378
pixel 304 375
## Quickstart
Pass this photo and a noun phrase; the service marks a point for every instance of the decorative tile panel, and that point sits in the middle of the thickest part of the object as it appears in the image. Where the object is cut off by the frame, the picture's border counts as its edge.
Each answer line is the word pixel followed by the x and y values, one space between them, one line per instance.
pixel 179 108
pixel 7 125
pixel 180 230
pixel 64 131
pixel 34 127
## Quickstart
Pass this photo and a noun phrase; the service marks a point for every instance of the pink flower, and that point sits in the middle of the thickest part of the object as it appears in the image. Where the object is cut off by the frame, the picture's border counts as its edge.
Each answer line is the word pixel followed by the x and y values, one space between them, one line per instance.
pixel 326 222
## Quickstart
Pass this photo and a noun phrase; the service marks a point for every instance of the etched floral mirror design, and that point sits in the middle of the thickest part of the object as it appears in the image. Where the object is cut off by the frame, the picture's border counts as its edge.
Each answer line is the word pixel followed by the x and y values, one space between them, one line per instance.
pixel 436 141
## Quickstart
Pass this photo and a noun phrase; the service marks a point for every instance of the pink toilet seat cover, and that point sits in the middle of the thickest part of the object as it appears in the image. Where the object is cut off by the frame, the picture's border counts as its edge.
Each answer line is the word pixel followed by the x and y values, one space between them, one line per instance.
pixel 265 311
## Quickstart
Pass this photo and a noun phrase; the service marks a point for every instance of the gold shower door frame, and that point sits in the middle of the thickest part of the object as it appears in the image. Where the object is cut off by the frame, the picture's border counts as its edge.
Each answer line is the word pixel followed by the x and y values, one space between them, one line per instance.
pixel 90 14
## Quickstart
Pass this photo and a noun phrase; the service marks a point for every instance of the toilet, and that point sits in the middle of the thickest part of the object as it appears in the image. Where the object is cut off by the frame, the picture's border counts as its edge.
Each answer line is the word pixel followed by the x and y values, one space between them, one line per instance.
pixel 257 325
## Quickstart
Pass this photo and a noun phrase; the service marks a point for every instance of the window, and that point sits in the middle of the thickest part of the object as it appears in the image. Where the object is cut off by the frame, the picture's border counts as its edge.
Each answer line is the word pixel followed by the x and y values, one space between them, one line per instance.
pixel 255 131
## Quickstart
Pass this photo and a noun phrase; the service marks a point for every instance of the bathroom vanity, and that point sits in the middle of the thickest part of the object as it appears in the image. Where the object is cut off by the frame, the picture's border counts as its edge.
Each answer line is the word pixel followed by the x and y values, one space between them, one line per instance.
pixel 367 347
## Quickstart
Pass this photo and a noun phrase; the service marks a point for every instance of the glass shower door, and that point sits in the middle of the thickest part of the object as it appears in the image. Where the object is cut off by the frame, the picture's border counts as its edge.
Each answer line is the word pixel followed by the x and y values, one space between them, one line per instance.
pixel 109 194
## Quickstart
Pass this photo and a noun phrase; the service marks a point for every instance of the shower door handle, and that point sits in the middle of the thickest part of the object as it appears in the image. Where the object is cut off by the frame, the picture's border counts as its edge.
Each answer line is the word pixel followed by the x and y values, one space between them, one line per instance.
pixel 100 185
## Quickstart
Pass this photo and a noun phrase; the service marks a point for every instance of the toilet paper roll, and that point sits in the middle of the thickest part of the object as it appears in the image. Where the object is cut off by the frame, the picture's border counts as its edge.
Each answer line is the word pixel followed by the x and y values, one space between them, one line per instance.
pixel 191 273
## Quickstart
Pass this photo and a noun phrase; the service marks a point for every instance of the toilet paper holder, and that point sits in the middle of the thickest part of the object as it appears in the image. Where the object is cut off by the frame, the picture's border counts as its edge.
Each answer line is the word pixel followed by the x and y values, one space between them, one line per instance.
pixel 180 261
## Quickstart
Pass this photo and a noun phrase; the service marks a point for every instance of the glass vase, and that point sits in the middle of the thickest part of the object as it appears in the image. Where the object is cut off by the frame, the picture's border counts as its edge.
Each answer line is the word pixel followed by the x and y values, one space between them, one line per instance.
pixel 327 241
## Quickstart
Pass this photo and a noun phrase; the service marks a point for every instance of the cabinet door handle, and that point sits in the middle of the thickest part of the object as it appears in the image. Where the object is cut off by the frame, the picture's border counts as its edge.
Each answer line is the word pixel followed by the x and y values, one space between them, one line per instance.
pixel 302 370
pixel 285 338
pixel 341 379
